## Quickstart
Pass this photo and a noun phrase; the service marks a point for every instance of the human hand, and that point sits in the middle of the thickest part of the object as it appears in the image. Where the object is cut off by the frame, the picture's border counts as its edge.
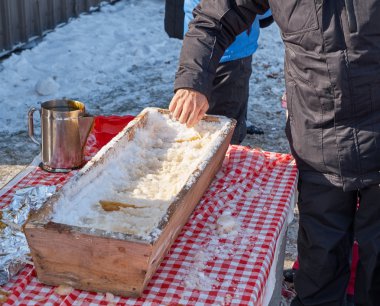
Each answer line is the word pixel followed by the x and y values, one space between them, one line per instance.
pixel 188 106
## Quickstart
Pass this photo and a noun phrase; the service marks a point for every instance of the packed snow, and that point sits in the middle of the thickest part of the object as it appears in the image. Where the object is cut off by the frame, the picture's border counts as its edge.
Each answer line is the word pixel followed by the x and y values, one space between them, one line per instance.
pixel 136 183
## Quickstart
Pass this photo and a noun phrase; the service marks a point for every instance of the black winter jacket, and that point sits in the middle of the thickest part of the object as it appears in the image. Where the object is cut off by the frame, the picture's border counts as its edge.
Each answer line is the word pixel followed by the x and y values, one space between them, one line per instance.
pixel 332 73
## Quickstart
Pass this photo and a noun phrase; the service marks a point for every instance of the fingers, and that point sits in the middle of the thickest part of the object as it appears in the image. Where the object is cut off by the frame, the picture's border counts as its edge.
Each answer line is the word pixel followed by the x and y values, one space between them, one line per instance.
pixel 188 106
pixel 187 110
pixel 173 103
pixel 204 108
pixel 178 109
pixel 193 119
pixel 176 105
pixel 200 116
pixel 196 116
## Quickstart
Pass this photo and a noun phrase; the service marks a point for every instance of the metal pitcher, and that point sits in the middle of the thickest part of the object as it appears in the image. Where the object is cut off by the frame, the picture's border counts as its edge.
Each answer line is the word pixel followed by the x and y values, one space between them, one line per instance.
pixel 64 130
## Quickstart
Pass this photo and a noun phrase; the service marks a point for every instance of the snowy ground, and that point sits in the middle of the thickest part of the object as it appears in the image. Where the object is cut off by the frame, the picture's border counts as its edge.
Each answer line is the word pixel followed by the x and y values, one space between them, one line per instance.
pixel 118 61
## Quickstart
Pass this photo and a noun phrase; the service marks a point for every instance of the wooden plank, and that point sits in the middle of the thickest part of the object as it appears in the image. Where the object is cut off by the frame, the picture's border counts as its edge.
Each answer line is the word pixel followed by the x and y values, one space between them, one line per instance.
pixel 89 262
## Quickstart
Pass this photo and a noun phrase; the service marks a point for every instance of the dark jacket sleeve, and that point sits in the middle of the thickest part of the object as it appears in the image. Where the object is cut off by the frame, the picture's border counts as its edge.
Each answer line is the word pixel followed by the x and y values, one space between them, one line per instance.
pixel 266 22
pixel 215 25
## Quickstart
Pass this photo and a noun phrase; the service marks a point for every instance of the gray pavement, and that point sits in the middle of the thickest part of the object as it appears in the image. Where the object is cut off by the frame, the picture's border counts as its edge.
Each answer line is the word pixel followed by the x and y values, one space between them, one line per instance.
pixel 7 172
pixel 16 152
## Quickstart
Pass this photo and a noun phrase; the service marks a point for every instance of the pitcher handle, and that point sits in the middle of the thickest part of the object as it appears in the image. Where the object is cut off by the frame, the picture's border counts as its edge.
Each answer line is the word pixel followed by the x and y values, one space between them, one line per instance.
pixel 31 125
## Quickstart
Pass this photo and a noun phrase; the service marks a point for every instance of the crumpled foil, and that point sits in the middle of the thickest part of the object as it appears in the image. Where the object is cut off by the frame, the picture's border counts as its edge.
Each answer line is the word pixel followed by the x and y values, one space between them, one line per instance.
pixel 14 250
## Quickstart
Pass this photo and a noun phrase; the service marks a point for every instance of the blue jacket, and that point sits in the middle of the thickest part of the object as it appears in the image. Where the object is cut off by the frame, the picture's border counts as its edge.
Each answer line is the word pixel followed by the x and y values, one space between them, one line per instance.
pixel 244 45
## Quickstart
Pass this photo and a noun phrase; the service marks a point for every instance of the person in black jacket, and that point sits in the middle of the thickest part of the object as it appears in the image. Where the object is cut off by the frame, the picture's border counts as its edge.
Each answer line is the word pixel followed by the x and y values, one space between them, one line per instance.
pixel 332 73
pixel 231 84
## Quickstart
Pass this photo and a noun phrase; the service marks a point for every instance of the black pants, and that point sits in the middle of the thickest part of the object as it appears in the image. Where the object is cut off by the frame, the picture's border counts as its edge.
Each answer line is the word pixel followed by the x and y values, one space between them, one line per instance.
pixel 329 221
pixel 230 94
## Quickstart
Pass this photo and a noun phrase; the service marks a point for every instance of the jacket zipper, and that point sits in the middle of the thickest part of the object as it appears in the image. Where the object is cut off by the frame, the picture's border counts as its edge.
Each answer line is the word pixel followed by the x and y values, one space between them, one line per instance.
pixel 352 25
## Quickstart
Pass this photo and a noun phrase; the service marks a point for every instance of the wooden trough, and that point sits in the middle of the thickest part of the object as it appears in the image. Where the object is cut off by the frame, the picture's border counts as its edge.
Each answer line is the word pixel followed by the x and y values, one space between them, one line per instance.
pixel 103 261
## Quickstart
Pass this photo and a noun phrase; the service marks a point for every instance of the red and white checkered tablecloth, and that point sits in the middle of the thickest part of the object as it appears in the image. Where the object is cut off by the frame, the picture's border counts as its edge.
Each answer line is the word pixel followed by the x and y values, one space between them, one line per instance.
pixel 201 268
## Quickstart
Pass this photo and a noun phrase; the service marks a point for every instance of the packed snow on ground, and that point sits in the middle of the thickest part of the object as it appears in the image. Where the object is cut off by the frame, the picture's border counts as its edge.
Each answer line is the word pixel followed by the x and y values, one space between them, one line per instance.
pixel 118 60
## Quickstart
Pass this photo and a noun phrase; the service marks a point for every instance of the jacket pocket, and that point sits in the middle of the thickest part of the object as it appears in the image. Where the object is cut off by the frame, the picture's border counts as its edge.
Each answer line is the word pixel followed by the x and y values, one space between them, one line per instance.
pixel 289 100
pixel 294 16
pixel 305 131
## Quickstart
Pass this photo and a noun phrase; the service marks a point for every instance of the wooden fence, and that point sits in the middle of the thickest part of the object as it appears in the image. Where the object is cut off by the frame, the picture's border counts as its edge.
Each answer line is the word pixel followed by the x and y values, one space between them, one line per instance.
pixel 22 22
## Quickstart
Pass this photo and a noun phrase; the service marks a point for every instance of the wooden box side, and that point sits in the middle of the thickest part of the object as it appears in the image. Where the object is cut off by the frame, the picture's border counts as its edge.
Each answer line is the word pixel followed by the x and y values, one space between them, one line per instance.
pixel 184 206
pixel 96 260
pixel 89 262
